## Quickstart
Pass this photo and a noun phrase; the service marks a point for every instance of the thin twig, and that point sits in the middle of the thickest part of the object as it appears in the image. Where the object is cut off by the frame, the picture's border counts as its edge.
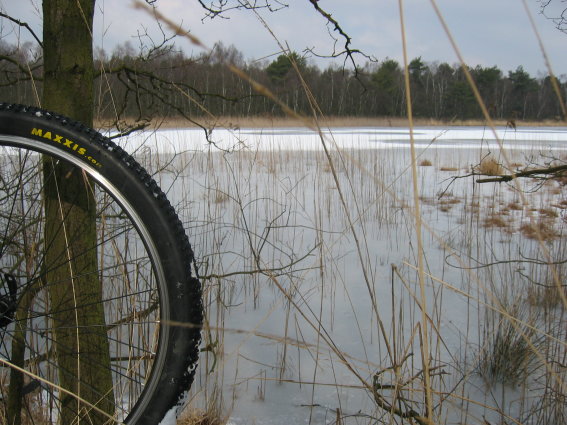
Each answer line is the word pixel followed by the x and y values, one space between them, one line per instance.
pixel 22 24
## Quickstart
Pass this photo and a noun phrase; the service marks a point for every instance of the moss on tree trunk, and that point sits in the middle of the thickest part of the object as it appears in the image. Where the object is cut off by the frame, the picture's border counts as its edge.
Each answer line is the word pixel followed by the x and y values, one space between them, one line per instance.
pixel 70 233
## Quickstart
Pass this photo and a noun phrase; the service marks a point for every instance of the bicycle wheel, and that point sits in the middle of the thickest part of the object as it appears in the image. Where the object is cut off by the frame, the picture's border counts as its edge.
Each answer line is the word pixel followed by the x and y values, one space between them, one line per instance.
pixel 99 312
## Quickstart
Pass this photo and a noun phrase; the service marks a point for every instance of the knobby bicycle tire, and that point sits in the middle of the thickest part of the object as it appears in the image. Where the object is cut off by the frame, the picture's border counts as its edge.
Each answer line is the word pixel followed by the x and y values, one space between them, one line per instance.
pixel 115 292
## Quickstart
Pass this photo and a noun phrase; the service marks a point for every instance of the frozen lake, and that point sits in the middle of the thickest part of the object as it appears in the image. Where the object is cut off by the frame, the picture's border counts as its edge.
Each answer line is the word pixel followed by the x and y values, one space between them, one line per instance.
pixel 310 269
pixel 355 138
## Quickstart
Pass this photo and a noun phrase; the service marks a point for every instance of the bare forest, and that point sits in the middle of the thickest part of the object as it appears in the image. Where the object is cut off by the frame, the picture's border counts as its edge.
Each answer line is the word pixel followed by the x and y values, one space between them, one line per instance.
pixel 138 84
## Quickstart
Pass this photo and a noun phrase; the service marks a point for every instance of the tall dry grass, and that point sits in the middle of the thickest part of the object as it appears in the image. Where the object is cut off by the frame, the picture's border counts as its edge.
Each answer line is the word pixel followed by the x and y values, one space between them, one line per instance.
pixel 350 270
pixel 357 274
pixel 415 358
pixel 281 269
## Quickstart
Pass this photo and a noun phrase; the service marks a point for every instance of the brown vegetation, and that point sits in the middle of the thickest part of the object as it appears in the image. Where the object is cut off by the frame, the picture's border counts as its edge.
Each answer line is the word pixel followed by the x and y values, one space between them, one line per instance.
pixel 515 206
pixel 541 229
pixel 446 203
pixel 489 167
pixel 495 220
pixel 198 417
pixel 545 296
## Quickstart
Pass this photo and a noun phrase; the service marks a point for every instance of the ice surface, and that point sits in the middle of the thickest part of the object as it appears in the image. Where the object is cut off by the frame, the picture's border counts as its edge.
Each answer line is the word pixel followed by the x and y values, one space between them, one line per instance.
pixel 277 194
pixel 178 140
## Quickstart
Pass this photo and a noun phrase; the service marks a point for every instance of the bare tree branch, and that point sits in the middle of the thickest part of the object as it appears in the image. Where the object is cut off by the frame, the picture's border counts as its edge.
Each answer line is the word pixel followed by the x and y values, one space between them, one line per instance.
pixel 22 24
pixel 548 171
pixel 523 260
pixel 348 51
pixel 27 72
pixel 220 7
pixel 554 12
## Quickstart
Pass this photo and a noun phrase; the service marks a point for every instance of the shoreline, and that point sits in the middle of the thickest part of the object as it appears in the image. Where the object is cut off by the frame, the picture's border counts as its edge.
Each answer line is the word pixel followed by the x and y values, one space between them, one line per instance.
pixel 330 122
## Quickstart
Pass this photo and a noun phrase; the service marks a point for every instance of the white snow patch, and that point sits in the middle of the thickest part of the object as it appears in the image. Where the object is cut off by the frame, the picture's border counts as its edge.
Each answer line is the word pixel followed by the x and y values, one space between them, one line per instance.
pixel 170 417
pixel 179 140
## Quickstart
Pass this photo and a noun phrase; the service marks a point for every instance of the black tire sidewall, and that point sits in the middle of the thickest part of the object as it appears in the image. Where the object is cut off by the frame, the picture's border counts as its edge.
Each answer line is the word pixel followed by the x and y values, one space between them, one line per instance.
pixel 100 156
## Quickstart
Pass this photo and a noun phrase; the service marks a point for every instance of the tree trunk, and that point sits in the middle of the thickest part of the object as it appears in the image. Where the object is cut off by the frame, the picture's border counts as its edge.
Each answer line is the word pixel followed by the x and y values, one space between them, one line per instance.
pixel 70 233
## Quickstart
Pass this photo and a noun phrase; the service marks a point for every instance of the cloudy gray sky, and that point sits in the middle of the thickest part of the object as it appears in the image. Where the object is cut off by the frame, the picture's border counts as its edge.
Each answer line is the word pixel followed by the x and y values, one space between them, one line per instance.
pixel 488 32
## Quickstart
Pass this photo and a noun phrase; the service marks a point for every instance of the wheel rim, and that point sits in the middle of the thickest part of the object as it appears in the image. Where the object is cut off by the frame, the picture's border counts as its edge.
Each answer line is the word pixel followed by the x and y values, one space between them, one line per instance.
pixel 134 302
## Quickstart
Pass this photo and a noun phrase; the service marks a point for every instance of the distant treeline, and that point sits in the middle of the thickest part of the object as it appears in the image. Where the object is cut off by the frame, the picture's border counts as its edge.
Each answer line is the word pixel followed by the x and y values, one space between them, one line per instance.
pixel 164 82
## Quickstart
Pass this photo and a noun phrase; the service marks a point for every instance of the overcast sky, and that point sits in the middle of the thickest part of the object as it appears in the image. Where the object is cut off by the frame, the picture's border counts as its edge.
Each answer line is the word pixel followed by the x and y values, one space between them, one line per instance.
pixel 488 32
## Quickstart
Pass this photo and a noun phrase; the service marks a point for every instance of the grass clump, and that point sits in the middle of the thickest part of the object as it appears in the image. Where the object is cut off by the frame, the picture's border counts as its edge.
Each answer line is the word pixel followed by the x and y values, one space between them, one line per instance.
pixel 511 344
pixel 446 203
pixel 539 230
pixel 545 296
pixel 489 167
pixel 514 206
pixel 198 417
pixel 495 220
